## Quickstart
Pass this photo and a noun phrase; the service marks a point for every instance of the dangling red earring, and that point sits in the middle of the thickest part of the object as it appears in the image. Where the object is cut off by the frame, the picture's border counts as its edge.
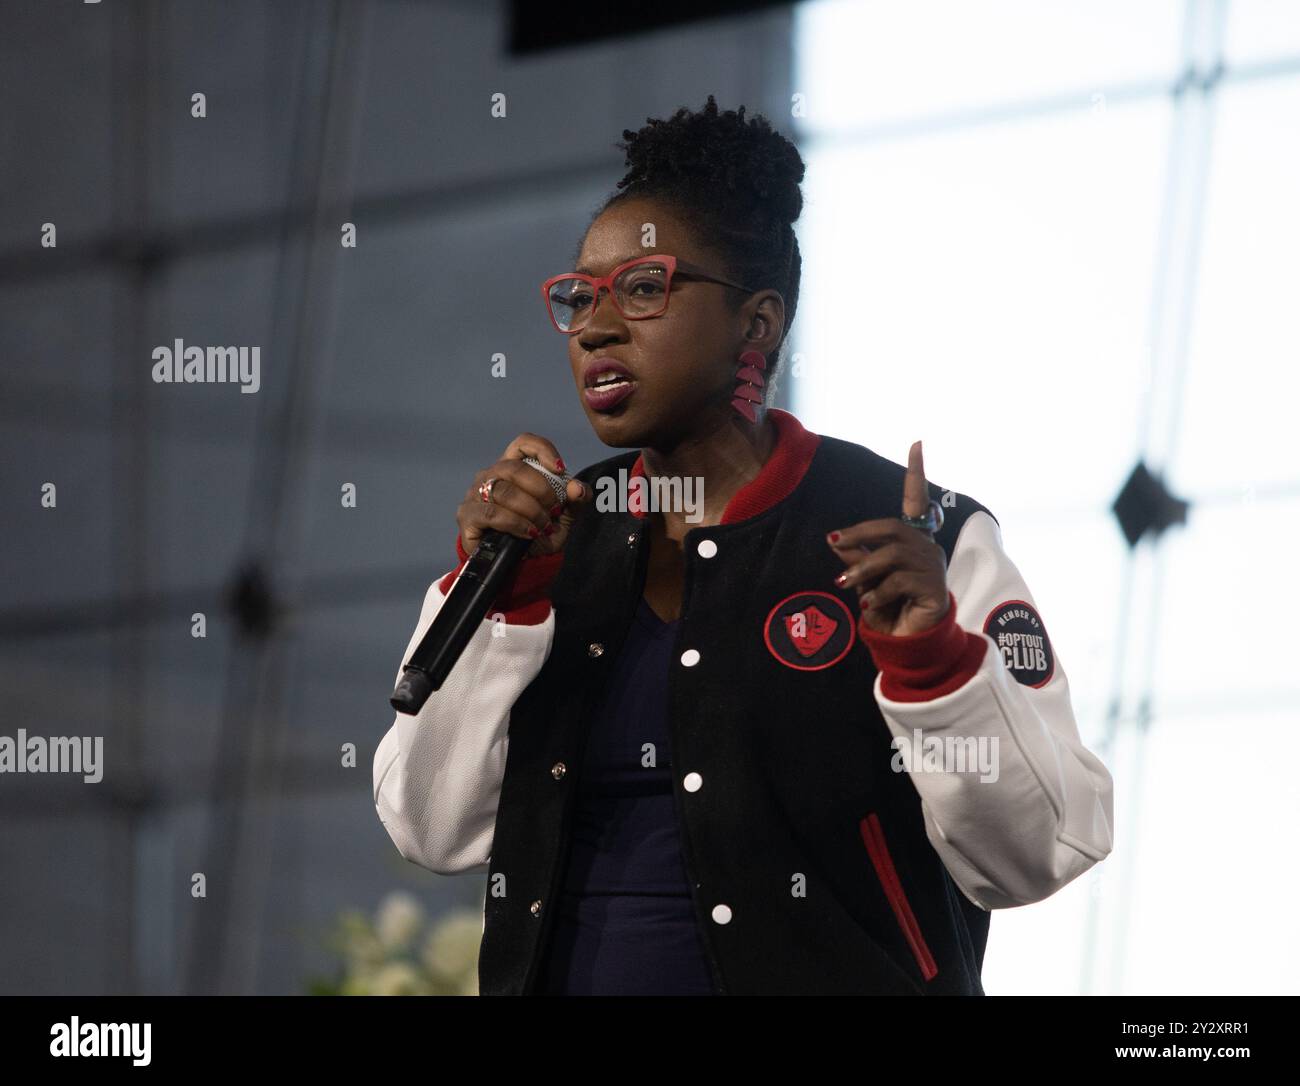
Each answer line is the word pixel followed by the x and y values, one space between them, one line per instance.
pixel 750 376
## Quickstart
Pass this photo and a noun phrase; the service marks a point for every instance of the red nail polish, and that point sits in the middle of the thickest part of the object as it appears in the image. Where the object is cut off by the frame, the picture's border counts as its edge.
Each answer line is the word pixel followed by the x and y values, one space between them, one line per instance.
pixel 549 529
pixel 557 509
pixel 835 537
pixel 864 603
pixel 841 579
pixel 532 531
pixel 559 464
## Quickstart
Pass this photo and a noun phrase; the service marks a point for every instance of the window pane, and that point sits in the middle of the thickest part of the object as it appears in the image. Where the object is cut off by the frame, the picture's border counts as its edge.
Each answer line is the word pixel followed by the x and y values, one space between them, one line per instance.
pixel 1225 642
pixel 1262 30
pixel 987 291
pixel 867 63
pixel 1211 902
pixel 1238 424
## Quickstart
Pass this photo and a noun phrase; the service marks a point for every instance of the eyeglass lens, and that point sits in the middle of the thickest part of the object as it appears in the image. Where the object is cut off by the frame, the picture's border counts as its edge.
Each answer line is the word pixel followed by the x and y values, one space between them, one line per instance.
pixel 640 291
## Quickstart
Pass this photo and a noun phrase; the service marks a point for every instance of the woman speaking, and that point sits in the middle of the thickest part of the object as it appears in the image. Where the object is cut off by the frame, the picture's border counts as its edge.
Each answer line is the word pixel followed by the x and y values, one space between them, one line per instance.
pixel 798 738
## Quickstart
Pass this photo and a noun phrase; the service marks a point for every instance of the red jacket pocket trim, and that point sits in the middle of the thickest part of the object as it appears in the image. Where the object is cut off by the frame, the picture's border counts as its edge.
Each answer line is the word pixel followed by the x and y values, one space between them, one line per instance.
pixel 873 836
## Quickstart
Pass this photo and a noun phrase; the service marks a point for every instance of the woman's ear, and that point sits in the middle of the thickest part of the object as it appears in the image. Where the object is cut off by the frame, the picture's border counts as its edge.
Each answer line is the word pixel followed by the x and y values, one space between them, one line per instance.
pixel 766 322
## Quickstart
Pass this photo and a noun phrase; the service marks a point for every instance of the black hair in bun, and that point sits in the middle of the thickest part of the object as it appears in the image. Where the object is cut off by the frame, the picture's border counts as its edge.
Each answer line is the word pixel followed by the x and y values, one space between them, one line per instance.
pixel 736 182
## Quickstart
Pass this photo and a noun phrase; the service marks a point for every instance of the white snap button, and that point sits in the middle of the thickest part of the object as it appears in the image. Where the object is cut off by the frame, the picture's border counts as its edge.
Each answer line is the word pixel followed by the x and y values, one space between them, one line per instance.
pixel 707 548
pixel 691 657
pixel 692 782
pixel 722 914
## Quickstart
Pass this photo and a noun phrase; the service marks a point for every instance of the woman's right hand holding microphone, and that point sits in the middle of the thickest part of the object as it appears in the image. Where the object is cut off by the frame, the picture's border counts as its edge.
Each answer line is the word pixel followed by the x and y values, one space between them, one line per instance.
pixel 523 501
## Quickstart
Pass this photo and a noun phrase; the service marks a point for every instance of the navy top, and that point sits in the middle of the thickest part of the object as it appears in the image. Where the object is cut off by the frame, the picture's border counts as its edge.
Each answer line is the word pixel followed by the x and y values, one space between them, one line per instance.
pixel 625 924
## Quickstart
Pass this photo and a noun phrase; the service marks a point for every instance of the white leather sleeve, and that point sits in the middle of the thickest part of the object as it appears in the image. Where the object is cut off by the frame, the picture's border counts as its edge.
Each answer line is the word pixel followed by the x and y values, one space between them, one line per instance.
pixel 438 774
pixel 1048 816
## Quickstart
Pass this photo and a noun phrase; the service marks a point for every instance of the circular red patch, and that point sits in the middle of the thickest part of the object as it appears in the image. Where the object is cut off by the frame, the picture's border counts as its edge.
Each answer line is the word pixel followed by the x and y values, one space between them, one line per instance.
pixel 809 631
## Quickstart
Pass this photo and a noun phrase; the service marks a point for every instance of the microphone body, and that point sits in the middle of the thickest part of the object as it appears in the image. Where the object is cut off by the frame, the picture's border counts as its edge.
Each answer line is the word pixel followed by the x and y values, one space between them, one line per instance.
pixel 479 583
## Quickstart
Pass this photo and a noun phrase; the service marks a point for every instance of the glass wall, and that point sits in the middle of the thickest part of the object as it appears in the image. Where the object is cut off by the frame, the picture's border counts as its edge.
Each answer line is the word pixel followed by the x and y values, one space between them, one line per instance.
pixel 1054 240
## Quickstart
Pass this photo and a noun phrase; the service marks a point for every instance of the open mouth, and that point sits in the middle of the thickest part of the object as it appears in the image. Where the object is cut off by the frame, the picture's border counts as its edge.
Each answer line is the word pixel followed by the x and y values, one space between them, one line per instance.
pixel 606 395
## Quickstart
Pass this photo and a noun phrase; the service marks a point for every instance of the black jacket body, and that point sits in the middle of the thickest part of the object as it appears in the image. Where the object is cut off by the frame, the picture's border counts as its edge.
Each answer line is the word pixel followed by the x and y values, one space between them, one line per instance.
pixel 793 761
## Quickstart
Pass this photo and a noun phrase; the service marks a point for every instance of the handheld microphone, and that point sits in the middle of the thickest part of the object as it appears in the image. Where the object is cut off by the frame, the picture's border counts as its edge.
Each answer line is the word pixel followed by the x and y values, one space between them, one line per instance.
pixel 486 570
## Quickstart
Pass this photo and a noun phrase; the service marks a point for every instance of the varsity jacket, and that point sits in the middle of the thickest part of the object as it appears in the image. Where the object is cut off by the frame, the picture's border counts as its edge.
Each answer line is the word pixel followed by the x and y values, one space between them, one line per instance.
pixel 851 805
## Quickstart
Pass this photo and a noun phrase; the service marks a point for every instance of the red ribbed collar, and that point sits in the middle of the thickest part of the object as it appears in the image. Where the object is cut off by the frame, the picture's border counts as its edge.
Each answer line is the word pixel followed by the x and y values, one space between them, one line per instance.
pixel 791 454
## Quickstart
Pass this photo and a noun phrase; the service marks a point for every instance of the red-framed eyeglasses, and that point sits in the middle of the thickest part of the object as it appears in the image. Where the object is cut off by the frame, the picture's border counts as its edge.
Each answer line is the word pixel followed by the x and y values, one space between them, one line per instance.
pixel 639 288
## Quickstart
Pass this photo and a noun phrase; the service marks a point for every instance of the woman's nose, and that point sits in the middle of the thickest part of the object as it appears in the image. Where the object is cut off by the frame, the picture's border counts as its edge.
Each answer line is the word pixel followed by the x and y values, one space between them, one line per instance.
pixel 595 325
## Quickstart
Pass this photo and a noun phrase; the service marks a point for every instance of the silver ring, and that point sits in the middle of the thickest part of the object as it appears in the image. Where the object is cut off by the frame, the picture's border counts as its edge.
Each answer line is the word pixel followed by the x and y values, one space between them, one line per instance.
pixel 931 522
pixel 485 489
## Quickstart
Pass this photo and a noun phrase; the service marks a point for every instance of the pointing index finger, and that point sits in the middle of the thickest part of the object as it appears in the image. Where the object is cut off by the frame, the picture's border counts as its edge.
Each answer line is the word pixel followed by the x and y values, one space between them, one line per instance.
pixel 916 493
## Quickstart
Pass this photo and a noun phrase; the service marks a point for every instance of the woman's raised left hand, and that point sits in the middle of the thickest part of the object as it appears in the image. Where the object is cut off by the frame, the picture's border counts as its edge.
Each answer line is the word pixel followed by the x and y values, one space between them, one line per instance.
pixel 902 582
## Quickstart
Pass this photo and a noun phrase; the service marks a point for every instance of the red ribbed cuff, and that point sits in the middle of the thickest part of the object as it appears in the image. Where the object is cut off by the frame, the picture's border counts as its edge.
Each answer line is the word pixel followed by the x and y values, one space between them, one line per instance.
pixel 925 665
pixel 525 598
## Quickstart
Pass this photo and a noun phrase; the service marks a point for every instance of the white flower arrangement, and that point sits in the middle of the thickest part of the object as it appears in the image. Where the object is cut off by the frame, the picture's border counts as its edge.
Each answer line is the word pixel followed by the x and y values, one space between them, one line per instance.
pixel 402 951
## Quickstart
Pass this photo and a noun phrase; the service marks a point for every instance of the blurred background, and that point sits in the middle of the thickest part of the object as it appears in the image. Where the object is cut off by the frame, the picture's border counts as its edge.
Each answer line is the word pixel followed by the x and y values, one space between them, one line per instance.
pixel 1055 239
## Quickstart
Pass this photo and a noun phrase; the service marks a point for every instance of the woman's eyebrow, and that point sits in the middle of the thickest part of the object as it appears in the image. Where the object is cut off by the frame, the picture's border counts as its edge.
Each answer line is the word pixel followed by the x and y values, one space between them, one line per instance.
pixel 620 260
